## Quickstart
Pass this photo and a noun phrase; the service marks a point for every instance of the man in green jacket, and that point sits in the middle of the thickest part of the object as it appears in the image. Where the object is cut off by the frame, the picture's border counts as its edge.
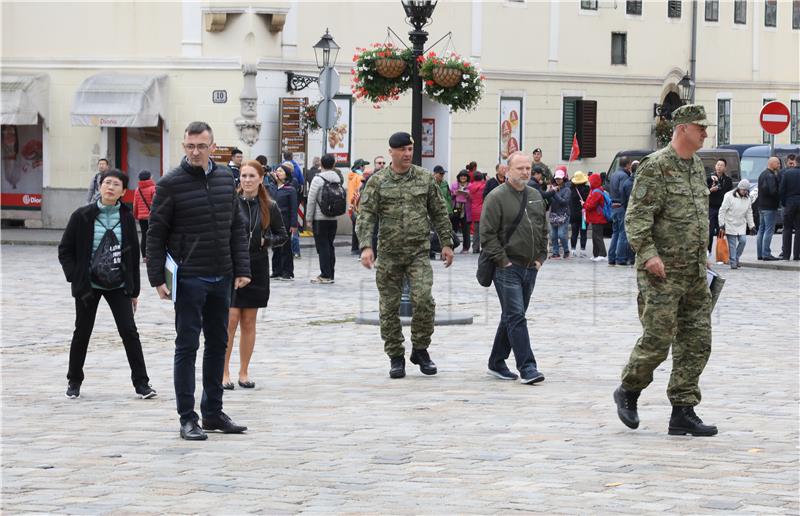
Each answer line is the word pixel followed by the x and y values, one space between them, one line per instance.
pixel 404 200
pixel 438 175
pixel 518 258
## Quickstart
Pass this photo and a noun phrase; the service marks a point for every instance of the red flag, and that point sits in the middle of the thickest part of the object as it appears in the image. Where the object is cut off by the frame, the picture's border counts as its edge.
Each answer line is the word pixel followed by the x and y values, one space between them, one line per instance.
pixel 575 152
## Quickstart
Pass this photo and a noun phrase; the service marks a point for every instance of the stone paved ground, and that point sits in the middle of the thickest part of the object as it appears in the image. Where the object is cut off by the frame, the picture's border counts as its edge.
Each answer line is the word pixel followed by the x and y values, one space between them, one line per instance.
pixel 330 432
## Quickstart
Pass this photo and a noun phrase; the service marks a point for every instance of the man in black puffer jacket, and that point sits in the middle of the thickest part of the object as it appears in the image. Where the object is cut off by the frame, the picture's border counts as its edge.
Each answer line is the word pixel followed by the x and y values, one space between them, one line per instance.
pixel 195 218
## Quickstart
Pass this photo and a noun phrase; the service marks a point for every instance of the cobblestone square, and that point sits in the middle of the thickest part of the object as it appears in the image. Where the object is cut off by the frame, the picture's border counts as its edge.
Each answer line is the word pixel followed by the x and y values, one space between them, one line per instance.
pixel 331 433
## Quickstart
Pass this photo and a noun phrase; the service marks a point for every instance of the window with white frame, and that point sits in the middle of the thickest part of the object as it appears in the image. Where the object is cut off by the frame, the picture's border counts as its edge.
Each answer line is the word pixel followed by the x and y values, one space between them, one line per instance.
pixel 589 5
pixel 635 7
pixel 796 14
pixel 674 8
pixel 619 48
pixel 795 128
pixel 723 121
pixel 740 12
pixel 712 10
pixel 770 13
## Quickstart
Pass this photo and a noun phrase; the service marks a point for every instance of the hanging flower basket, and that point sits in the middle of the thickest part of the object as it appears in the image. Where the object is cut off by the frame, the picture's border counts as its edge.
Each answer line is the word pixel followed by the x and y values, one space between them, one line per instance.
pixel 451 80
pixel 308 118
pixel 446 77
pixel 390 68
pixel 380 73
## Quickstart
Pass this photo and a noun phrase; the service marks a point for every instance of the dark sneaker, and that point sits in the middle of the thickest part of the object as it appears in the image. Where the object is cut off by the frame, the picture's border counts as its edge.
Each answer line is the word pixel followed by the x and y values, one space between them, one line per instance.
pixel 531 377
pixel 222 423
pixel 73 391
pixel 191 431
pixel 684 421
pixel 398 367
pixel 146 392
pixel 423 360
pixel 501 373
pixel 626 406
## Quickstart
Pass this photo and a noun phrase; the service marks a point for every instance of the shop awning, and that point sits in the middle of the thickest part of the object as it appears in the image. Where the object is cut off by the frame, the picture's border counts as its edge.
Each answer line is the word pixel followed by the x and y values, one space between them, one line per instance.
pixel 24 98
pixel 120 100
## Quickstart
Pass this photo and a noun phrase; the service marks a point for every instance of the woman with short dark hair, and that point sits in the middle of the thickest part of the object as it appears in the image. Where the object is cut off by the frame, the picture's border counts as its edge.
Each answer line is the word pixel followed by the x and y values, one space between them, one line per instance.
pixel 99 253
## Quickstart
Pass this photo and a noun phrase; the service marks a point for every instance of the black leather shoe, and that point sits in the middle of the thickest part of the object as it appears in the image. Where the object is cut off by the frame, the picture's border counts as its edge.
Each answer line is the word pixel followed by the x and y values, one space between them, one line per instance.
pixel 685 421
pixel 626 406
pixel 191 431
pixel 423 360
pixel 398 367
pixel 770 258
pixel 222 423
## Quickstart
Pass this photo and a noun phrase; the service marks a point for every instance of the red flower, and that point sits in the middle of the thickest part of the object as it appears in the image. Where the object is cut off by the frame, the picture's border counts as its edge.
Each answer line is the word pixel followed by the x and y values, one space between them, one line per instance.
pixel 431 54
pixel 429 82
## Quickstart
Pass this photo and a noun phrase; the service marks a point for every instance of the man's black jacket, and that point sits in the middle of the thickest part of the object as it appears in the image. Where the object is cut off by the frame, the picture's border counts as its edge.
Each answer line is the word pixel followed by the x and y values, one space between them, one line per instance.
pixel 195 217
pixel 75 250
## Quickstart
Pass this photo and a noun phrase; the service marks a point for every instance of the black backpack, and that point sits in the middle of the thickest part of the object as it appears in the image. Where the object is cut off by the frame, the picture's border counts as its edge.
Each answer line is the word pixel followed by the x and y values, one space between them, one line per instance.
pixel 332 198
pixel 106 267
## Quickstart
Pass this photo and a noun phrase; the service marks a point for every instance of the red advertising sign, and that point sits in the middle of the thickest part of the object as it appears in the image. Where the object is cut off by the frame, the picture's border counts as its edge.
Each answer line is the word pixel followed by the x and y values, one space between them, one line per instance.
pixel 21 167
pixel 774 117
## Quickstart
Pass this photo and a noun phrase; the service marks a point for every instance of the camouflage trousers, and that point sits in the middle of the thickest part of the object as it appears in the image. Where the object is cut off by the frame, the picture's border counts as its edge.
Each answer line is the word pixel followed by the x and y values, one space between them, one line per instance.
pixel 675 313
pixel 389 274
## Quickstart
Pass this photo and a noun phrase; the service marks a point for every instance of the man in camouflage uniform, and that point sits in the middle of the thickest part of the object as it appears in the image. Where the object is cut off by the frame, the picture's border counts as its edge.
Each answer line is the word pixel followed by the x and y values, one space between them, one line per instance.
pixel 404 199
pixel 667 224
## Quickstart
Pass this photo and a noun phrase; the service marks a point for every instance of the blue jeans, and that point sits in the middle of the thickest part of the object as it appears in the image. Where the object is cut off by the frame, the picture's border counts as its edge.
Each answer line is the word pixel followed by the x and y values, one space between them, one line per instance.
pixel 736 247
pixel 296 242
pixel 514 286
pixel 618 249
pixel 558 233
pixel 200 305
pixel 766 228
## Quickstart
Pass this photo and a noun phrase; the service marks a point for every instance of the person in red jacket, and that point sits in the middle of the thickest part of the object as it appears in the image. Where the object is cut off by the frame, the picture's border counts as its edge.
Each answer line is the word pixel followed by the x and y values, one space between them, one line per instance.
pixel 593 208
pixel 142 200
pixel 476 187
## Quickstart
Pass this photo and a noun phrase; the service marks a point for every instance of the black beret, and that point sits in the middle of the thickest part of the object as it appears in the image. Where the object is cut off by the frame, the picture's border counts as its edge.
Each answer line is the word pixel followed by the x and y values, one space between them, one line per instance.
pixel 398 140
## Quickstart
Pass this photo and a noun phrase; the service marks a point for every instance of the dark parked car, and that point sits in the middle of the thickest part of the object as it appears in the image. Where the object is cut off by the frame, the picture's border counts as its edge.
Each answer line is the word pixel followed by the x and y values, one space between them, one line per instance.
pixel 754 161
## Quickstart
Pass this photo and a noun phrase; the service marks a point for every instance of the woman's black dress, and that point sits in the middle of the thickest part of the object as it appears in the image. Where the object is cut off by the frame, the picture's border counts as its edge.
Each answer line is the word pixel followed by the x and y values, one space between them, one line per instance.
pixel 256 293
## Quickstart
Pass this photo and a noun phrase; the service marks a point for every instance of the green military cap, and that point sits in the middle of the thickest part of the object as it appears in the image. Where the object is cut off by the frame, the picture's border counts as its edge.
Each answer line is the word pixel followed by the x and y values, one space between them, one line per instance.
pixel 690 114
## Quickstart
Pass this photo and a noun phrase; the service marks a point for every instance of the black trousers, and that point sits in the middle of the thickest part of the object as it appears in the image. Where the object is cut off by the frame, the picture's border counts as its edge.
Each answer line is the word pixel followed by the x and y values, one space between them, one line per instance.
pixel 122 310
pixel 324 234
pixel 598 245
pixel 791 223
pixel 713 225
pixel 354 247
pixel 461 224
pixel 283 260
pixel 144 225
pixel 576 231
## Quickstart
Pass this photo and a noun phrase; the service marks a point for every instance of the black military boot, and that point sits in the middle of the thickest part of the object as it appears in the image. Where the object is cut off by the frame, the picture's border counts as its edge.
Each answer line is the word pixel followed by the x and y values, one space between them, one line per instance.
pixel 423 360
pixel 398 367
pixel 685 421
pixel 626 406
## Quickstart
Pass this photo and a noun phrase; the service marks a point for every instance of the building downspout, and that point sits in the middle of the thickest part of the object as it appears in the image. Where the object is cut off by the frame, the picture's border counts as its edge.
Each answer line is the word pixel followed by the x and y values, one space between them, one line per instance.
pixel 693 59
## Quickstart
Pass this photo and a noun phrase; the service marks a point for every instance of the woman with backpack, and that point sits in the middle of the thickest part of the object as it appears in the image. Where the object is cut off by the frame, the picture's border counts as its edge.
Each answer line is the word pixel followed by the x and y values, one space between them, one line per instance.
pixel 99 253
pixel 142 199
pixel 559 216
pixel 286 198
pixel 264 224
pixel 327 200
pixel 593 209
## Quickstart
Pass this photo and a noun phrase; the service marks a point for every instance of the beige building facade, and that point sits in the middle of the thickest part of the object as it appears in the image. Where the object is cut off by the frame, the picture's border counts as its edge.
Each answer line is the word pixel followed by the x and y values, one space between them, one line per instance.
pixel 121 80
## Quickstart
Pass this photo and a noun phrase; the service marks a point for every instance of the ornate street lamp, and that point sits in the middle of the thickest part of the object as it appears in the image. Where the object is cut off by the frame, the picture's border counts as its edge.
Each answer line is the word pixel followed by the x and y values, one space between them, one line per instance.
pixel 418 15
pixel 325 52
pixel 686 85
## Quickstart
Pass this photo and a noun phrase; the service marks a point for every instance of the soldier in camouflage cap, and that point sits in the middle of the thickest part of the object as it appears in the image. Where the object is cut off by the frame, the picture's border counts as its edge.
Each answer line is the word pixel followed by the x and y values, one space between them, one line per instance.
pixel 404 199
pixel 667 225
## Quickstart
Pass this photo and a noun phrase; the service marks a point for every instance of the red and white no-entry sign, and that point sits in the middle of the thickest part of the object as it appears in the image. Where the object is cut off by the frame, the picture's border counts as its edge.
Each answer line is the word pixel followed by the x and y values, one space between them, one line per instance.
pixel 774 117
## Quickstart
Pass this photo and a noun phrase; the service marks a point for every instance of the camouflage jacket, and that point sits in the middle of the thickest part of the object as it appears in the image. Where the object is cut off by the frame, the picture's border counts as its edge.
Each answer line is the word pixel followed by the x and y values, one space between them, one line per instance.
pixel 668 211
pixel 404 205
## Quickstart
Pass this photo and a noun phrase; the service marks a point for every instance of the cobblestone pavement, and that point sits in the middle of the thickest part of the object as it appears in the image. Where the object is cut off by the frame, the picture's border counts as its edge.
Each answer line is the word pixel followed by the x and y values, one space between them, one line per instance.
pixel 330 432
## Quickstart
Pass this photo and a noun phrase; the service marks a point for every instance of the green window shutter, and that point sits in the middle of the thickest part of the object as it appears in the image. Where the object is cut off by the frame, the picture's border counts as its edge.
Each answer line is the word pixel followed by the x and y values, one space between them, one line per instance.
pixel 569 122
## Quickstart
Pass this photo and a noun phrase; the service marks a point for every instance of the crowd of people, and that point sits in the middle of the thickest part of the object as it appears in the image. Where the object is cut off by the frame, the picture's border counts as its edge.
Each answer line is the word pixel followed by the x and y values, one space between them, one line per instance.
pixel 207 229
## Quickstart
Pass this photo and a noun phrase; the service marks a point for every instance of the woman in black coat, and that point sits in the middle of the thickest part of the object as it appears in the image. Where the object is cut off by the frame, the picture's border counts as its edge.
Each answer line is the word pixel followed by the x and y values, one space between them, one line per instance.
pixel 264 229
pixel 106 227
pixel 580 191
pixel 286 198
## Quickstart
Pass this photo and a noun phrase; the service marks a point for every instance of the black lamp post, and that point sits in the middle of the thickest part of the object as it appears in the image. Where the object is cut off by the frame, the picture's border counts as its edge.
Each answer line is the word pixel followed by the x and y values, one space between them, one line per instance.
pixel 418 15
pixel 325 52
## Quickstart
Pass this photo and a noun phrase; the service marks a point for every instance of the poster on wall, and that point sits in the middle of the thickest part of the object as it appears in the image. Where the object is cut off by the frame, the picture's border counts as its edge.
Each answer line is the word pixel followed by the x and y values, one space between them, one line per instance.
pixel 510 126
pixel 428 138
pixel 340 135
pixel 21 168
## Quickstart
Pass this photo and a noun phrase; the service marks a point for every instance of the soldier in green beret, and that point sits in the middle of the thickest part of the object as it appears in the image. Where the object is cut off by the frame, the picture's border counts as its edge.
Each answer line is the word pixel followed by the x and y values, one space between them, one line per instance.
pixel 667 225
pixel 404 199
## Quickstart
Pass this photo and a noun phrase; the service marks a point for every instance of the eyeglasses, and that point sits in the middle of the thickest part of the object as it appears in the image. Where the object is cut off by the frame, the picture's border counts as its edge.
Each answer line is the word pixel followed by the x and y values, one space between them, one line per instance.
pixel 380 162
pixel 200 146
